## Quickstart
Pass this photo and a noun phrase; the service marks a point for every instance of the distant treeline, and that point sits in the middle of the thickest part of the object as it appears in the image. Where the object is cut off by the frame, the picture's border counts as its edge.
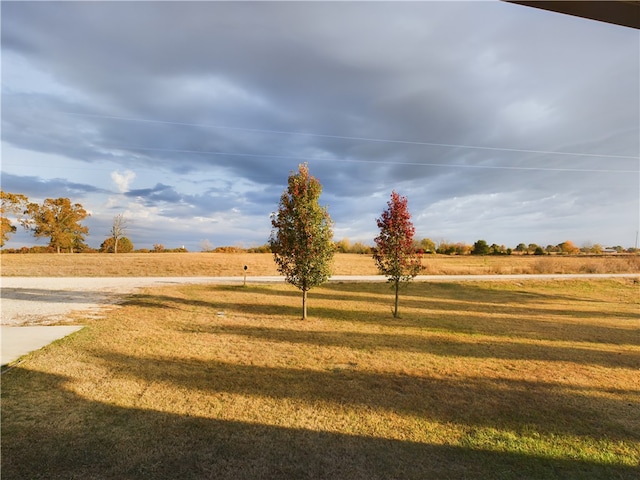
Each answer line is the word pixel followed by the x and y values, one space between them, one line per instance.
pixel 60 221
pixel 425 246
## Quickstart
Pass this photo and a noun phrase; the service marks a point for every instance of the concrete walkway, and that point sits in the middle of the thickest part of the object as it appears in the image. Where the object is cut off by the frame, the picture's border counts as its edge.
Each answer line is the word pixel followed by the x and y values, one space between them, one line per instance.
pixel 18 341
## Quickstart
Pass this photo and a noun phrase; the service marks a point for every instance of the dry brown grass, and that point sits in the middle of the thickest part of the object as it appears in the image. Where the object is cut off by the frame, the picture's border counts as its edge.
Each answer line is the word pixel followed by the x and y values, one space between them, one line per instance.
pixel 231 264
pixel 475 380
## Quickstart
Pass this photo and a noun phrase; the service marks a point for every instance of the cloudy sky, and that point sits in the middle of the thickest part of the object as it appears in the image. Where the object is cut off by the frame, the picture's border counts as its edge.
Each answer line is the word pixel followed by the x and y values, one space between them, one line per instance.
pixel 497 121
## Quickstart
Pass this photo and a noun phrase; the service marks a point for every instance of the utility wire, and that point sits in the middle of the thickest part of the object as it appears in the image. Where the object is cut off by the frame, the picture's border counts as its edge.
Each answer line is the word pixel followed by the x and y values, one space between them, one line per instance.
pixel 380 162
pixel 343 137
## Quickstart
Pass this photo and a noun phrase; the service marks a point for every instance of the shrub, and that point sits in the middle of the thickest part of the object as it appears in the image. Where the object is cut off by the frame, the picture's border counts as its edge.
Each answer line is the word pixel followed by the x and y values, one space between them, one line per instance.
pixel 547 265
pixel 591 267
pixel 228 249
pixel 124 245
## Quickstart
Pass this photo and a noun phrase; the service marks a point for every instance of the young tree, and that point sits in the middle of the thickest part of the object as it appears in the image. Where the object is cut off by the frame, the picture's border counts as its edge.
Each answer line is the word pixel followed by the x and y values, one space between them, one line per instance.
pixel 395 255
pixel 10 204
pixel 59 220
pixel 302 234
pixel 118 230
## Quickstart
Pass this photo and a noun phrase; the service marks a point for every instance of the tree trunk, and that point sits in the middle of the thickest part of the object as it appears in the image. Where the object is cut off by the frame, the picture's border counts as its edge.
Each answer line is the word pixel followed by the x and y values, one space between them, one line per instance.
pixel 304 304
pixel 395 308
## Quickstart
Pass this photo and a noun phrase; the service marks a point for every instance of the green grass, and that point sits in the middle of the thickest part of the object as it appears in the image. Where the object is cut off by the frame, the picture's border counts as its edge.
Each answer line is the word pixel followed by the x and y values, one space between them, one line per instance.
pixel 475 380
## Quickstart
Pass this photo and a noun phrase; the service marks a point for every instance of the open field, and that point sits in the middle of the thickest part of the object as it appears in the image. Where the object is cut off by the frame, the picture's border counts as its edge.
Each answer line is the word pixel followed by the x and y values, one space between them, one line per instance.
pixel 495 380
pixel 231 264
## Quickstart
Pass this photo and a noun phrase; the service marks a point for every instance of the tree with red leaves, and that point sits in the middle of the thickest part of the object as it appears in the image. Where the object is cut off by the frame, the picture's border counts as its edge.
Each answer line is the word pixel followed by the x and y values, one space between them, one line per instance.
pixel 395 254
pixel 302 235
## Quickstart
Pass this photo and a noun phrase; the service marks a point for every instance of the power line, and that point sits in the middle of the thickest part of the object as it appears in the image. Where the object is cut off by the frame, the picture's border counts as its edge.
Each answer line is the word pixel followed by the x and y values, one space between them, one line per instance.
pixel 344 137
pixel 378 162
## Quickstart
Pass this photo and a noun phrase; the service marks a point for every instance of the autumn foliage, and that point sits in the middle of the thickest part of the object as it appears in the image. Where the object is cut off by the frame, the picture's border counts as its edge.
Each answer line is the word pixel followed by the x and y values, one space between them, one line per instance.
pixel 10 204
pixel 59 220
pixel 395 254
pixel 302 235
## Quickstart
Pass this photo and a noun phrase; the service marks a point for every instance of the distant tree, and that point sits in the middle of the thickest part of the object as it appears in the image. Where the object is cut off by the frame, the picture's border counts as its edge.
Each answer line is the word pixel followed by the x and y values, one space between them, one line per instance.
pixel 447 248
pixel 427 245
pixel 361 248
pixel 302 234
pixel 496 249
pixel 228 249
pixel 118 230
pixel 260 249
pixel 124 245
pixel 78 245
pixel 395 255
pixel 568 247
pixel 442 247
pixel 531 248
pixel 480 248
pixel 462 248
pixel 10 204
pixel 158 248
pixel 343 246
pixel 538 251
pixel 206 246
pixel 59 220
pixel 589 247
pixel 521 248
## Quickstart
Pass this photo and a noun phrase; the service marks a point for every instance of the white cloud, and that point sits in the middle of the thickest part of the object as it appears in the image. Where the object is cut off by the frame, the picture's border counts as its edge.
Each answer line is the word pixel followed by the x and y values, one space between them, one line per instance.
pixel 123 180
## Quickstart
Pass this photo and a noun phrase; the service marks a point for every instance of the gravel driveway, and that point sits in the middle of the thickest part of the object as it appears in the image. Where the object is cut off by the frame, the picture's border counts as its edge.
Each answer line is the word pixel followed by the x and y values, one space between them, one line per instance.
pixel 46 300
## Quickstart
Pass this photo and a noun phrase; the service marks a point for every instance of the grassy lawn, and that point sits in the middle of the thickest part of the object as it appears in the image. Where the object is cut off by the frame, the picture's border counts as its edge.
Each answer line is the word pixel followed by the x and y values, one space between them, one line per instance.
pixel 475 380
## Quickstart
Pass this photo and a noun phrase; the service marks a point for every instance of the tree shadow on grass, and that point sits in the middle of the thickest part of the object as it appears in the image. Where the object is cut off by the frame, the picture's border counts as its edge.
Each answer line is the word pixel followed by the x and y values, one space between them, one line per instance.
pixel 451 314
pixel 454 297
pixel 437 316
pixel 434 344
pixel 50 432
pixel 488 402
pixel 249 306
pixel 473 291
pixel 478 298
